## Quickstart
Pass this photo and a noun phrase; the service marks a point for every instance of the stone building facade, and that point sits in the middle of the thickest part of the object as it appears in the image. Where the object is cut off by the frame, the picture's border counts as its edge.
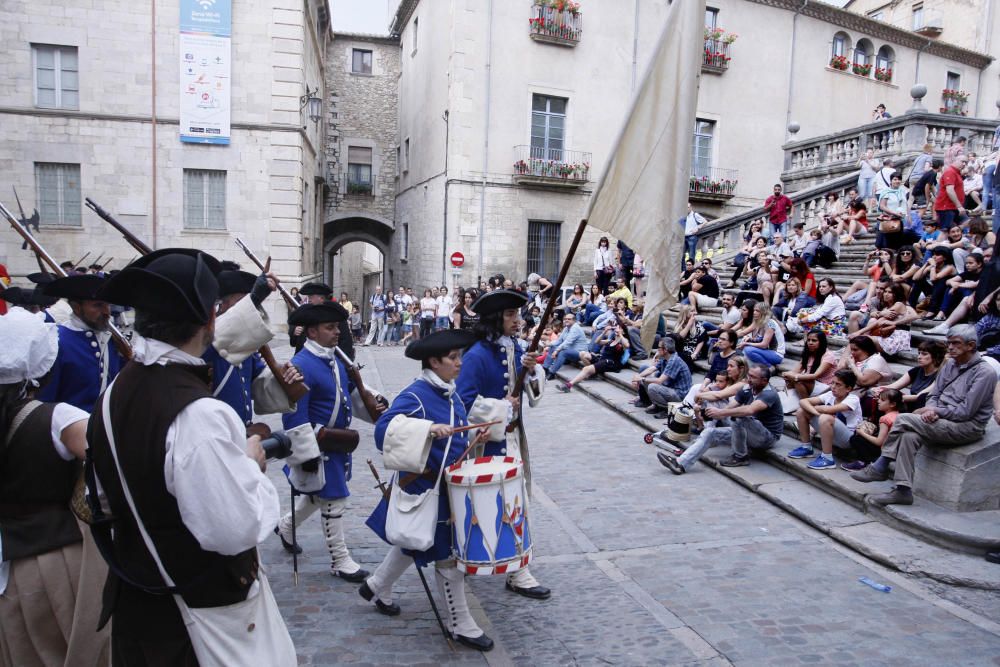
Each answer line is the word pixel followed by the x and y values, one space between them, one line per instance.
pixel 362 73
pixel 112 136
pixel 481 93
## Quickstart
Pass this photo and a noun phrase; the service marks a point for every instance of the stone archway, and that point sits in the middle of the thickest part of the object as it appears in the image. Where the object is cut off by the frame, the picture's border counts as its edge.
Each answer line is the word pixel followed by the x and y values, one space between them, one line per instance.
pixel 348 227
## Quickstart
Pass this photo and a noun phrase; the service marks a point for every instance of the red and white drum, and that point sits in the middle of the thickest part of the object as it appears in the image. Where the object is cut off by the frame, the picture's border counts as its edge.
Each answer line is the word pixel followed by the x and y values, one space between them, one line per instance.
pixel 489 515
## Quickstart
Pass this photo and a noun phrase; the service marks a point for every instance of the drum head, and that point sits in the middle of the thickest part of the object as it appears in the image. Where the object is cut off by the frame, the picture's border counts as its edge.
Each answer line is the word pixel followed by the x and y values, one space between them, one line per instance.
pixel 484 470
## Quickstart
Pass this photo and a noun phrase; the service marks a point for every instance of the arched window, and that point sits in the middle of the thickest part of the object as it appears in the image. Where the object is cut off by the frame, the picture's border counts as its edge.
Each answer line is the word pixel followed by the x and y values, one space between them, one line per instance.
pixel 885 60
pixel 863 52
pixel 841 44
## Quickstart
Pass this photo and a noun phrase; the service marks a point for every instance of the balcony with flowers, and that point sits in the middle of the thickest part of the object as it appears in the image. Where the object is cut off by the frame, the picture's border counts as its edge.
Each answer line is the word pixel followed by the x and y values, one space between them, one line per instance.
pixel 718 45
pixel 551 167
pixel 713 184
pixel 955 102
pixel 556 22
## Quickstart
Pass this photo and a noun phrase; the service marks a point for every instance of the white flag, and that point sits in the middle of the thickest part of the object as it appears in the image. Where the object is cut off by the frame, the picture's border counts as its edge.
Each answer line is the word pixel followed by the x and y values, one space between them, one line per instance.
pixel 644 189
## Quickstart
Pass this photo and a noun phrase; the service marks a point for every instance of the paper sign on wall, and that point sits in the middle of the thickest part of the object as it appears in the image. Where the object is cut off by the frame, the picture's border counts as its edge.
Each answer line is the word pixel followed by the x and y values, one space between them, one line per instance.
pixel 205 71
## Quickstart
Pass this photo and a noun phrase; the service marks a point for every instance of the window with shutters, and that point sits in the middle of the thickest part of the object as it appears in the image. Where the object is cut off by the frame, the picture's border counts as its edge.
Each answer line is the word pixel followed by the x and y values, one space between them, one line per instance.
pixel 701 151
pixel 543 248
pixel 548 127
pixel 361 61
pixel 359 171
pixel 57 76
pixel 204 199
pixel 57 188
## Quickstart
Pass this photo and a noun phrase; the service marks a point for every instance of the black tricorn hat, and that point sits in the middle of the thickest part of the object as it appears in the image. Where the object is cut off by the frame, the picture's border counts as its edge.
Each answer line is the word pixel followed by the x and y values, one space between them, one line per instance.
pixel 82 287
pixel 15 296
pixel 439 344
pixel 498 301
pixel 317 313
pixel 315 288
pixel 37 297
pixel 176 284
pixel 41 277
pixel 235 282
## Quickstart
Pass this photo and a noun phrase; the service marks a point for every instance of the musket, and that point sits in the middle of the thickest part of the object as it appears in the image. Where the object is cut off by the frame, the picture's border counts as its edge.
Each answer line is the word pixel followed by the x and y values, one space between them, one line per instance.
pixel 294 391
pixel 80 261
pixel 97 259
pixel 385 494
pixel 121 343
pixel 106 264
pixel 132 239
pixel 34 218
pixel 353 367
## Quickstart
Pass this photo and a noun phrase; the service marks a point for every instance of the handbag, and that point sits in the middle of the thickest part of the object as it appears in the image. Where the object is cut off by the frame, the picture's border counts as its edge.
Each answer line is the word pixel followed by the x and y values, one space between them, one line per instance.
pixel 245 633
pixel 338 440
pixel 890 225
pixel 411 518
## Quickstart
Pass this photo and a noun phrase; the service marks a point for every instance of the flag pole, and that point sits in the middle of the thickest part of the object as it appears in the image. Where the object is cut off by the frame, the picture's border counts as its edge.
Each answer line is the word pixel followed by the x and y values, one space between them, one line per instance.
pixel 551 305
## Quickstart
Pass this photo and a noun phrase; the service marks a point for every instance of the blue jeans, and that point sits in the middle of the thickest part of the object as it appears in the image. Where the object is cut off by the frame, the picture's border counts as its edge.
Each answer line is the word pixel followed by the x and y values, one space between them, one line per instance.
pixel 690 247
pixel 756 355
pixel 866 186
pixel 588 314
pixel 770 229
pixel 988 201
pixel 553 364
pixel 441 323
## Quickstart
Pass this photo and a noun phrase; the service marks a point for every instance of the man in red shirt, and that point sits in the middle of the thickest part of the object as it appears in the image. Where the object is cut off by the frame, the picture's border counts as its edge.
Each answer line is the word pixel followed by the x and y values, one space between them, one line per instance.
pixel 779 208
pixel 949 205
pixel 4 282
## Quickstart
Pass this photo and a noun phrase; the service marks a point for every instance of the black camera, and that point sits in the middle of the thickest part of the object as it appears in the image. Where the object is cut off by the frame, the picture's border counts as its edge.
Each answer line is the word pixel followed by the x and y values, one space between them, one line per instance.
pixel 277 445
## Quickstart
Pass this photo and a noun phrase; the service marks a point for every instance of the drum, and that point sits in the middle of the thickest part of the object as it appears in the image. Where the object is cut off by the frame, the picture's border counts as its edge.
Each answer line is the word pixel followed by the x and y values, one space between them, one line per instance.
pixel 489 515
pixel 679 418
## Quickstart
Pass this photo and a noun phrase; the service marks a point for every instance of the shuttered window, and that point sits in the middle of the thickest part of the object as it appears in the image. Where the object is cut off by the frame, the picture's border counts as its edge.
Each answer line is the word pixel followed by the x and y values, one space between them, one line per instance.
pixel 57 76
pixel 359 170
pixel 58 193
pixel 204 199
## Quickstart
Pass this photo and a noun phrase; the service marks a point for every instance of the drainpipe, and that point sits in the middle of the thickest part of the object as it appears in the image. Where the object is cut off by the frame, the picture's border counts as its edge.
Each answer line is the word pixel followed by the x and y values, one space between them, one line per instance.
pixel 444 242
pixel 916 73
pixel 791 68
pixel 987 41
pixel 152 50
pixel 486 132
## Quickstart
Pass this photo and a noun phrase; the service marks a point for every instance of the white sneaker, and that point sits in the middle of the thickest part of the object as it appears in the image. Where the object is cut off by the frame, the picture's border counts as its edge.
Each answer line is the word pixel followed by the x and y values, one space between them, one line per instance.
pixel 939 330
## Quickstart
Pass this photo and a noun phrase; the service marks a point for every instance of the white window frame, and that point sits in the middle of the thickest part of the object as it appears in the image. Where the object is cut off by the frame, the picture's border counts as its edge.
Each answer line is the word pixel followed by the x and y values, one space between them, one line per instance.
pixel 711 146
pixel 548 152
pixel 62 203
pixel 918 16
pixel 57 51
pixel 371 58
pixel 416 30
pixel 206 207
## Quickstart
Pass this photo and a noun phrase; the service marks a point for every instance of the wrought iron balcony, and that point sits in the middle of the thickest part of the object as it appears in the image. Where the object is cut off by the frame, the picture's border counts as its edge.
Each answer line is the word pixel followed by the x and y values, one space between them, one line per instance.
pixel 551 167
pixel 549 24
pixel 713 184
pixel 357 187
pixel 715 58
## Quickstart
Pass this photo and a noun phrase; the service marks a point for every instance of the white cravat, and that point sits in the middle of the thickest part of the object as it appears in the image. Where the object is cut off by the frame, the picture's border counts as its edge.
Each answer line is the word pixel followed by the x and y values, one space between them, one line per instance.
pixel 432 378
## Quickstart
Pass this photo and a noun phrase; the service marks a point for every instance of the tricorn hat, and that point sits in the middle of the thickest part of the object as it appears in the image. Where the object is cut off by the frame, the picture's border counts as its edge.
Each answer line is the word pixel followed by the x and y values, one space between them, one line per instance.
pixel 13 295
pixel 41 277
pixel 83 287
pixel 317 313
pixel 176 284
pixel 498 301
pixel 37 297
pixel 235 282
pixel 439 344
pixel 315 288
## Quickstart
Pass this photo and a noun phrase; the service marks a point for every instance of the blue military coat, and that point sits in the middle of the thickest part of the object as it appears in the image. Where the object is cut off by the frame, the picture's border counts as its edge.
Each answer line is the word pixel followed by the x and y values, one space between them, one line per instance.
pixel 485 373
pixel 316 408
pixel 76 374
pixel 422 400
pixel 234 388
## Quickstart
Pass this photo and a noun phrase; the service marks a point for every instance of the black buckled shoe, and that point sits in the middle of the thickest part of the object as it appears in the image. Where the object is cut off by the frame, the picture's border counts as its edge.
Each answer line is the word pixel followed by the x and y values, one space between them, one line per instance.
pixel 480 643
pixel 289 547
pixel 670 463
pixel 535 592
pixel 391 609
pixel 353 577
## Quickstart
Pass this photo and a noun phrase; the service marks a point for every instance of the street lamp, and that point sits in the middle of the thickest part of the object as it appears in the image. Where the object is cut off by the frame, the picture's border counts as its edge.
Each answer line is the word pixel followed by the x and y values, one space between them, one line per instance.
pixel 315 104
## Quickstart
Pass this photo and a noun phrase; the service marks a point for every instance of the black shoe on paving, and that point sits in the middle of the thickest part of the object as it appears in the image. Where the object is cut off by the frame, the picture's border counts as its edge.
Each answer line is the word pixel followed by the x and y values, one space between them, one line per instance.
pixel 993 557
pixel 735 461
pixel 289 547
pixel 653 409
pixel 353 577
pixel 662 414
pixel 670 463
pixel 480 643
pixel 900 495
pixel 535 592
pixel 391 609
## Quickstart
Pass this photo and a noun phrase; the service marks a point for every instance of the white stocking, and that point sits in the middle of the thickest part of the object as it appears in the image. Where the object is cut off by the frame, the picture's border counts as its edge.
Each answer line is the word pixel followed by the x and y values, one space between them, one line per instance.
pixel 451 583
pixel 387 573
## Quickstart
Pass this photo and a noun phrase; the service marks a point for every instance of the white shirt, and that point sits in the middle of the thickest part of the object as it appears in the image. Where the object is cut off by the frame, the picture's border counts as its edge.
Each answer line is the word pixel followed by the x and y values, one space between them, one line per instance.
pixel 224 499
pixel 731 316
pixel 602 258
pixel 444 305
pixel 852 416
pixel 691 223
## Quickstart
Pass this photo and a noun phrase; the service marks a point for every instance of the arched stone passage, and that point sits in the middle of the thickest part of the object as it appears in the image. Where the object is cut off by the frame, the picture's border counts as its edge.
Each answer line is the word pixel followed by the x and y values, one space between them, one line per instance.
pixel 349 228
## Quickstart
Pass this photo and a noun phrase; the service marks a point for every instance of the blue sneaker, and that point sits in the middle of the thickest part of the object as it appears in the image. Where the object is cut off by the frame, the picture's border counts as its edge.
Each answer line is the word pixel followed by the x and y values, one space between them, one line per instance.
pixel 801 452
pixel 822 463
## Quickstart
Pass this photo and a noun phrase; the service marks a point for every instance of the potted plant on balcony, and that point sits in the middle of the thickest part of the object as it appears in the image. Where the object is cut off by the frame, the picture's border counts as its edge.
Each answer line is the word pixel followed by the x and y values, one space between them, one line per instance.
pixel 839 63
pixel 883 74
pixel 861 69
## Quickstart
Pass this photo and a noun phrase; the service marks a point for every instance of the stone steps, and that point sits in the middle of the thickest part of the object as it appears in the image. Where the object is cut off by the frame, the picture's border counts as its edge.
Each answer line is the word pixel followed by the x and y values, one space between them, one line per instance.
pixel 958 532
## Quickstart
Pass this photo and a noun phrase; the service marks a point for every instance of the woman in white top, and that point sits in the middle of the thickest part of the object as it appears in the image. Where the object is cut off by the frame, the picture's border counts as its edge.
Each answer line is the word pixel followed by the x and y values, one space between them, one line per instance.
pixel 862 358
pixel 765 343
pixel 829 316
pixel 604 264
pixel 428 311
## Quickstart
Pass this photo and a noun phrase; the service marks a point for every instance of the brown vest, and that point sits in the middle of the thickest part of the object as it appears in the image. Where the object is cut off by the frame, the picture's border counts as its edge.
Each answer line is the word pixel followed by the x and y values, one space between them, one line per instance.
pixel 145 400
pixel 35 487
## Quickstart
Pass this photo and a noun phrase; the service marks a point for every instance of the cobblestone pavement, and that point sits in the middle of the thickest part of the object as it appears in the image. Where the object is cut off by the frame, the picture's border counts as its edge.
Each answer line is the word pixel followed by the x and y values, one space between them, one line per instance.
pixel 645 567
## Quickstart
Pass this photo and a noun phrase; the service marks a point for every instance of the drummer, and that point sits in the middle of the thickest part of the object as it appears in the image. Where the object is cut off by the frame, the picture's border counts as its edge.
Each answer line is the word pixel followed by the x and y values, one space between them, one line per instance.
pixel 486 385
pixel 416 433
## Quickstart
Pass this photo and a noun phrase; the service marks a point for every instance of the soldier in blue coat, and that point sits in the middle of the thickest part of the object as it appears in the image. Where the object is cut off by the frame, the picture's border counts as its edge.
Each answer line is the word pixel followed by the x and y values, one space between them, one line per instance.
pixel 321 416
pixel 486 385
pixel 243 381
pixel 416 432
pixel 88 360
